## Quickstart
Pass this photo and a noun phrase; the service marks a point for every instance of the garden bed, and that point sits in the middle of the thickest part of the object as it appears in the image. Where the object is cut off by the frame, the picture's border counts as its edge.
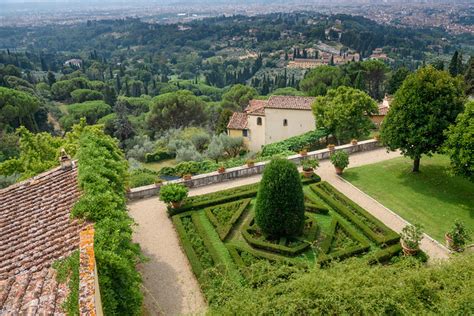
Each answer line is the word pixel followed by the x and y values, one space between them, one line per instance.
pixel 218 230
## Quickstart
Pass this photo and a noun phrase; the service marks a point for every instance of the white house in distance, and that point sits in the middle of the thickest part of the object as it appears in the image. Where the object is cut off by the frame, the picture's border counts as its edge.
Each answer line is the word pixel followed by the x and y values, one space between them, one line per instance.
pixel 267 121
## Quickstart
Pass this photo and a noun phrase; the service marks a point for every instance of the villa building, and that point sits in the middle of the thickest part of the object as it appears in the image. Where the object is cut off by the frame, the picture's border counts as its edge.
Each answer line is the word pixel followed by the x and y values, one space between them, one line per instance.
pixel 383 107
pixel 267 121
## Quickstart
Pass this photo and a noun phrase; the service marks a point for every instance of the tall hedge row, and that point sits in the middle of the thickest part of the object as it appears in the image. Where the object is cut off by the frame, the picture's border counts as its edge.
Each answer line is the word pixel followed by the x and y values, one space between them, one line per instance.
pixel 102 174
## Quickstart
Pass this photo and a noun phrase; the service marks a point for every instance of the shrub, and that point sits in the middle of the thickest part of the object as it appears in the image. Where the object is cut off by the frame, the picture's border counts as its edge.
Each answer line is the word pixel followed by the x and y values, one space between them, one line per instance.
pixel 82 95
pixel 158 155
pixel 142 176
pixel 340 159
pixel 459 235
pixel 173 192
pixel 294 144
pixel 411 235
pixel 279 209
pixel 309 164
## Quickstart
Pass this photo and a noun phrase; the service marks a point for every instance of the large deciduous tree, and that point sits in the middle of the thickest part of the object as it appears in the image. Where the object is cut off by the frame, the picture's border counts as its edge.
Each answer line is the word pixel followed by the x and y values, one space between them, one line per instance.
pixel 319 80
pixel 423 108
pixel 344 113
pixel 279 210
pixel 460 143
pixel 375 71
pixel 175 110
pixel 238 97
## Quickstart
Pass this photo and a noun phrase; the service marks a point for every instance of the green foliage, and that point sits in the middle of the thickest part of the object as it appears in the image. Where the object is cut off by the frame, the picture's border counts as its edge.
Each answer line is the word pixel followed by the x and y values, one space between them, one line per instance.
pixel 372 227
pixel 92 111
pixel 68 270
pixel 102 176
pixel 142 176
pixel 158 156
pixel 407 287
pixel 459 234
pixel 279 210
pixel 175 110
pixel 82 95
pixel 224 216
pixel 293 144
pixel 238 97
pixel 61 90
pixel 309 164
pixel 319 80
pixel 173 192
pixel 38 153
pixel 396 80
pixel 412 235
pixel 344 113
pixel 423 108
pixel 459 144
pixel 375 71
pixel 17 108
pixel 340 159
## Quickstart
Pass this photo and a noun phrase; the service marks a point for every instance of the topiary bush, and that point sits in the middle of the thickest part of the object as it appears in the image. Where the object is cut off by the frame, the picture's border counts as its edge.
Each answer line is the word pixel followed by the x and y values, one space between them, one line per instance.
pixel 279 209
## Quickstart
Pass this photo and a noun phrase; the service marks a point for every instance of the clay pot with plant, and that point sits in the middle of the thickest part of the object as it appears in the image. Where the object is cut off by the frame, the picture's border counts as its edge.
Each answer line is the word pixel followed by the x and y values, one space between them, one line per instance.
pixel 158 182
pixel 187 176
pixel 250 163
pixel 309 165
pixel 457 238
pixel 340 160
pixel 354 142
pixel 221 169
pixel 331 148
pixel 411 236
pixel 303 152
pixel 174 194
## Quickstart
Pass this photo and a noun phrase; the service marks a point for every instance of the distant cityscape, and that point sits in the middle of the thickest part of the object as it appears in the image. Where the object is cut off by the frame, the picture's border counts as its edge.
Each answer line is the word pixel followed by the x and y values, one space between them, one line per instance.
pixel 453 16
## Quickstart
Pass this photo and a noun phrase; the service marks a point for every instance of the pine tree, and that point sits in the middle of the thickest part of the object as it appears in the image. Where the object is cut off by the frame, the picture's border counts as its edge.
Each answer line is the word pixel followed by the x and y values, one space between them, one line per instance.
pixel 454 64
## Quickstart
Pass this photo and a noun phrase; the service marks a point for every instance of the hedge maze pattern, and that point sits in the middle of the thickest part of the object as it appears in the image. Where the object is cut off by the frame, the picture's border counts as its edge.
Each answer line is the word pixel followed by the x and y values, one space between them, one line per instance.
pixel 218 230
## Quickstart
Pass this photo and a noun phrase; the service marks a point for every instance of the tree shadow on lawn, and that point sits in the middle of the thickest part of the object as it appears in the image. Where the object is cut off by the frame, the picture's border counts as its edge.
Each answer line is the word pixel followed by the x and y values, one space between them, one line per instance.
pixel 436 182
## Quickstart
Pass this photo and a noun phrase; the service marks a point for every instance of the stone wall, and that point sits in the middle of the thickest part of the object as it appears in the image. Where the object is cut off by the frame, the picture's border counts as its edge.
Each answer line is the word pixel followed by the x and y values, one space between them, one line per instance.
pixel 244 171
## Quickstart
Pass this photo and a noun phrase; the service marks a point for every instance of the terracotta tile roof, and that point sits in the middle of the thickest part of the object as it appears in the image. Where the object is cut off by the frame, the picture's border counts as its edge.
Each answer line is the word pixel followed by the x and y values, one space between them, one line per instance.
pixel 238 121
pixel 290 102
pixel 35 231
pixel 256 107
pixel 383 110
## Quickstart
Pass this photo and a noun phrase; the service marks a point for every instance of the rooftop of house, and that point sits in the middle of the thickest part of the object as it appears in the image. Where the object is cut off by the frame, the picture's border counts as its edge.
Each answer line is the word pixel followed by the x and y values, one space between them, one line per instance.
pixel 238 120
pixel 384 106
pixel 36 230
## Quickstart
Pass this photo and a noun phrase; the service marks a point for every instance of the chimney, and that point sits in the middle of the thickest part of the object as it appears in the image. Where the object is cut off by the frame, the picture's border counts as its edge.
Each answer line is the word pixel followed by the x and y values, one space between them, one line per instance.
pixel 65 160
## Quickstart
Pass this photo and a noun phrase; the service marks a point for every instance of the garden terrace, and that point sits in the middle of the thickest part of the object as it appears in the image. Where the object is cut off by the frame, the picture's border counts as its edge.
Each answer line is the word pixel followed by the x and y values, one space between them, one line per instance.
pixel 218 230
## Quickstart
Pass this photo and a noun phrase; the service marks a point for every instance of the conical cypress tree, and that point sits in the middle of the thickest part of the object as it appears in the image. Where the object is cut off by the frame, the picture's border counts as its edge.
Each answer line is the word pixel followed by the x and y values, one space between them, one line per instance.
pixel 279 209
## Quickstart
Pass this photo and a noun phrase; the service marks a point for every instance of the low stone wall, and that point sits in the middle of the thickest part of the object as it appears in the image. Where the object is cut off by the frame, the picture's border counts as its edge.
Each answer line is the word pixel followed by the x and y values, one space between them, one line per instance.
pixel 244 171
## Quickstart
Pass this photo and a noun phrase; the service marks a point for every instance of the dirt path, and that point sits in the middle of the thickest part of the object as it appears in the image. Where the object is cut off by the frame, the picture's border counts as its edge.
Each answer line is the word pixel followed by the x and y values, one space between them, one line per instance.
pixel 169 285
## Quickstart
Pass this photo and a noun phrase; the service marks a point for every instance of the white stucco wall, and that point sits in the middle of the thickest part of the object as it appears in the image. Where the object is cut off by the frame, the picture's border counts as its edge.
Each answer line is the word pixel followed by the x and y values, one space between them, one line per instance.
pixel 256 133
pixel 299 122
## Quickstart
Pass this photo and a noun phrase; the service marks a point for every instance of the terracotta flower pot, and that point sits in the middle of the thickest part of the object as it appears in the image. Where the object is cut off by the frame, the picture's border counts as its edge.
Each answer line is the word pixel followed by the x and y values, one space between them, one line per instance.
pixel 176 204
pixel 303 152
pixel 331 148
pixel 450 243
pixel 339 170
pixel 187 177
pixel 407 251
pixel 221 170
pixel 354 142
pixel 308 172
pixel 250 164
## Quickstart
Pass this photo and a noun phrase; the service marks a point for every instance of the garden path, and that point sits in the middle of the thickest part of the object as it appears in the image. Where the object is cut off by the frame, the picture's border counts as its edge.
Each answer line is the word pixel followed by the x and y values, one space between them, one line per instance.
pixel 169 283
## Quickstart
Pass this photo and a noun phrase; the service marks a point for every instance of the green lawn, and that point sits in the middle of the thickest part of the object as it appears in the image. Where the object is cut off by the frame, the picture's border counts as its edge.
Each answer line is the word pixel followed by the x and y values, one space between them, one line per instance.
pixel 433 197
pixel 157 166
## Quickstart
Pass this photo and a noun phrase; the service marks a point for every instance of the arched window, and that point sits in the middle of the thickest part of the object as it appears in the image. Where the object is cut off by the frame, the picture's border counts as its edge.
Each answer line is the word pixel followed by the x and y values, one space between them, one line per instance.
pixel 285 122
pixel 259 121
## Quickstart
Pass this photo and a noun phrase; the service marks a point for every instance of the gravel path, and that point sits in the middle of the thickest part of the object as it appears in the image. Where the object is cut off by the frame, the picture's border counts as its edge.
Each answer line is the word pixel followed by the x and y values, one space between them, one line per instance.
pixel 169 285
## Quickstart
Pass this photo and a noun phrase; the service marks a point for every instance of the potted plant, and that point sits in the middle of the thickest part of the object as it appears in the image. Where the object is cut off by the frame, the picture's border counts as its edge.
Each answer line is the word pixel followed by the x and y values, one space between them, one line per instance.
pixel 411 236
pixel 187 176
pixel 309 165
pixel 173 193
pixel 221 168
pixel 340 160
pixel 250 163
pixel 304 152
pixel 457 238
pixel 377 137
pixel 158 181
pixel 354 142
pixel 331 148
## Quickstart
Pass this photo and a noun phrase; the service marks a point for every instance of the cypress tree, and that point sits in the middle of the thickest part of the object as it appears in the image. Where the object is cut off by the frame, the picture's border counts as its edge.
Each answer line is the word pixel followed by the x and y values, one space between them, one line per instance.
pixel 279 209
